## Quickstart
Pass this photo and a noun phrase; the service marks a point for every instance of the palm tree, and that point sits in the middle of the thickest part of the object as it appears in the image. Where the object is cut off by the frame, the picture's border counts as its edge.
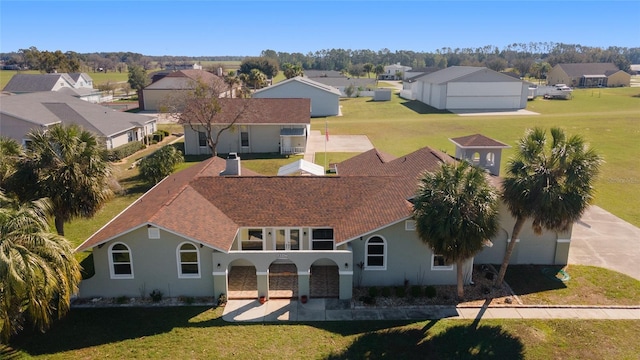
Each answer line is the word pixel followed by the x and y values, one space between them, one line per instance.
pixel 38 272
pixel 232 80
pixel 379 70
pixel 10 153
pixel 455 210
pixel 257 78
pixel 67 165
pixel 368 67
pixel 549 182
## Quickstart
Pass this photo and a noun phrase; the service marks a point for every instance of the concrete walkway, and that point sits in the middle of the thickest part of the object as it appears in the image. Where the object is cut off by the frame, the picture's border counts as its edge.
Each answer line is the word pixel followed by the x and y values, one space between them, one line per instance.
pixel 278 310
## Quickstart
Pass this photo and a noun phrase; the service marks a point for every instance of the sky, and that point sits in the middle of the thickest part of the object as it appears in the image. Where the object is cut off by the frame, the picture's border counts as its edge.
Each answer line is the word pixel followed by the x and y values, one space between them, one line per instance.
pixel 245 28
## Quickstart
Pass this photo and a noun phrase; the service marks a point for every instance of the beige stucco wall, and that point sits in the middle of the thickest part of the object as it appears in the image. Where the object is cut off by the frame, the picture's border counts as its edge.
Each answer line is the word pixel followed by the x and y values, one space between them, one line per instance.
pixel 15 128
pixel 620 78
pixel 557 76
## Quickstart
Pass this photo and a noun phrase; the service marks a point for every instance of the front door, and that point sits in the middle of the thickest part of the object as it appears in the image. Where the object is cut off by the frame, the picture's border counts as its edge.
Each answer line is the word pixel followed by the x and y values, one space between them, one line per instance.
pixel 287 239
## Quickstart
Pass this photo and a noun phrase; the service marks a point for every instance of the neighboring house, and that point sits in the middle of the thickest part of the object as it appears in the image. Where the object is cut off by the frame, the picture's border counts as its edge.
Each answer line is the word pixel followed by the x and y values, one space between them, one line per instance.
pixel 183 66
pixel 19 114
pixel 635 69
pixel 79 85
pixel 323 74
pixel 325 100
pixel 264 126
pixel 198 231
pixel 468 87
pixel 155 95
pixel 419 72
pixel 588 75
pixel 391 72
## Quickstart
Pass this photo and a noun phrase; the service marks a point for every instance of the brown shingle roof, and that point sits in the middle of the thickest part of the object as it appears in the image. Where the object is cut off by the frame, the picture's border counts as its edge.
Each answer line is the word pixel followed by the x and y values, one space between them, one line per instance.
pixel 264 111
pixel 477 140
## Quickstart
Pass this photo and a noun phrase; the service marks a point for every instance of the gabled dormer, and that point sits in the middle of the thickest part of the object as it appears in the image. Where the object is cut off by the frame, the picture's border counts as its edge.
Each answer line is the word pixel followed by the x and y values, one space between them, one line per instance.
pixel 481 151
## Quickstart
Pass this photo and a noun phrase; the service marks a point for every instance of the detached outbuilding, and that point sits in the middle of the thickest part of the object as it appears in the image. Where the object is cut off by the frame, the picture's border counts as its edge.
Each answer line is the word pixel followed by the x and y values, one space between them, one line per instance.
pixel 588 75
pixel 468 88
pixel 325 99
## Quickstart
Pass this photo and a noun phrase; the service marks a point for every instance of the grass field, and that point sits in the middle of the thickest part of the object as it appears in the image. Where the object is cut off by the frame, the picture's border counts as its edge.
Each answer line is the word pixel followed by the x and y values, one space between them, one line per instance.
pixel 609 119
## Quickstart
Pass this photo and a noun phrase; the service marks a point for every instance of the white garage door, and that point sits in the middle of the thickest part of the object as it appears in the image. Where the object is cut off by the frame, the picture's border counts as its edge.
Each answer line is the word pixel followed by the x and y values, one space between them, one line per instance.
pixel 483 102
pixel 484 89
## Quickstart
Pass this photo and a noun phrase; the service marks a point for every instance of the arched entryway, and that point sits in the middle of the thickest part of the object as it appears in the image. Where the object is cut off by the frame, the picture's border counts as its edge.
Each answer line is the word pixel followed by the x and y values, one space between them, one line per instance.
pixel 324 281
pixel 243 281
pixel 283 280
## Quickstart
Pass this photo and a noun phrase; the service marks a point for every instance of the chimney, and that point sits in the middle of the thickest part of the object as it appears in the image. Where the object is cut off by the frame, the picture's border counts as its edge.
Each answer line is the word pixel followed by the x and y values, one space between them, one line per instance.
pixel 219 71
pixel 233 165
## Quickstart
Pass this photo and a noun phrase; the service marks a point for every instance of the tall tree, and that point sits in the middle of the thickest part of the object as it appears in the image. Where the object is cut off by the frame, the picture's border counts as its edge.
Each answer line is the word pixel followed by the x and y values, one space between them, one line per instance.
pixel 138 78
pixel 379 70
pixel 548 181
pixel 455 209
pixel 291 70
pixel 10 154
pixel 67 165
pixel 257 78
pixel 38 272
pixel 267 65
pixel 232 81
pixel 368 67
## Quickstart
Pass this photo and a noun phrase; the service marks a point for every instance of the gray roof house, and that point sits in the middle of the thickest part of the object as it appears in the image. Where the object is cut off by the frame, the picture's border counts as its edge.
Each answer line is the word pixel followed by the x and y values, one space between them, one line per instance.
pixel 156 94
pixel 325 100
pixel 588 75
pixel 469 87
pixel 19 114
pixel 79 85
pixel 218 228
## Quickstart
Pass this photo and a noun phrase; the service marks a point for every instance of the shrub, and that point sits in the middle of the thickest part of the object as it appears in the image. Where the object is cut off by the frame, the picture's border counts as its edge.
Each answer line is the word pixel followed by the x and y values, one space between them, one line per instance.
pixel 416 291
pixel 160 164
pixel 125 150
pixel 368 300
pixel 187 299
pixel 121 300
pixel 164 133
pixel 430 291
pixel 373 291
pixel 401 291
pixel 156 295
pixel 157 137
pixel 385 291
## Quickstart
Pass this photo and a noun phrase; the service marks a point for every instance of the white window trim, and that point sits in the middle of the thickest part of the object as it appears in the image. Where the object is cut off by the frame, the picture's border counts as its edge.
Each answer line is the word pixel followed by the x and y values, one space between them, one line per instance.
pixel 179 262
pixel 439 268
pixel 384 254
pixel 111 263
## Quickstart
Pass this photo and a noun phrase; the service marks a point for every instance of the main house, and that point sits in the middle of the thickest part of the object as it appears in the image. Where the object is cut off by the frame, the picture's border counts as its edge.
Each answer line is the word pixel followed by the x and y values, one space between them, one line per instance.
pixel 79 85
pixel 588 75
pixel 468 88
pixel 19 114
pixel 259 126
pixel 207 229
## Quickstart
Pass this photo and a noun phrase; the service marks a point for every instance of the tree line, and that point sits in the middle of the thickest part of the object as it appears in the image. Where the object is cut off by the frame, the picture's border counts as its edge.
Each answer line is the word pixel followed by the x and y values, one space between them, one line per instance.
pixel 517 56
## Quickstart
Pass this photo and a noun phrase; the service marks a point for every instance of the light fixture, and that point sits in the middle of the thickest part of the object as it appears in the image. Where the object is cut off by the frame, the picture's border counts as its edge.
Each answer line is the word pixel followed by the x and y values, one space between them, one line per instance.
pixel 346 265
pixel 218 265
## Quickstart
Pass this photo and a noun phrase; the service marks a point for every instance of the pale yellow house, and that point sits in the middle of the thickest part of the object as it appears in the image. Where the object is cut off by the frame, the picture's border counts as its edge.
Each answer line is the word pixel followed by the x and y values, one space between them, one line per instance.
pixel 588 75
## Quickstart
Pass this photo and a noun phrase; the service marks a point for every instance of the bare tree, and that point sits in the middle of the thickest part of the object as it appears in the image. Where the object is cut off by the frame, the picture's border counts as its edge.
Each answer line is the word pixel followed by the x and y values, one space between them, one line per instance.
pixel 201 107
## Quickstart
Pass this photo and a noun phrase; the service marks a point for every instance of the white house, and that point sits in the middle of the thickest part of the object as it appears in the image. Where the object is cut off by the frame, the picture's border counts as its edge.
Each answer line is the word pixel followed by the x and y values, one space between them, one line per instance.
pixel 19 114
pixel 468 87
pixel 325 100
pixel 259 126
pixel 79 85
pixel 391 72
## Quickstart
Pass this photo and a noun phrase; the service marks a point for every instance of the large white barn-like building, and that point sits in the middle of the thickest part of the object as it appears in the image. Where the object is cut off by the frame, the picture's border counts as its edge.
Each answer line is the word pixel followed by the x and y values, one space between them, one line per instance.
pixel 468 87
pixel 325 99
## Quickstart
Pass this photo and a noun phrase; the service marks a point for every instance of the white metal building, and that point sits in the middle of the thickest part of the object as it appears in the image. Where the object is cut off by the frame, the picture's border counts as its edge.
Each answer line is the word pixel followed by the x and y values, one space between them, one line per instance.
pixel 325 99
pixel 468 87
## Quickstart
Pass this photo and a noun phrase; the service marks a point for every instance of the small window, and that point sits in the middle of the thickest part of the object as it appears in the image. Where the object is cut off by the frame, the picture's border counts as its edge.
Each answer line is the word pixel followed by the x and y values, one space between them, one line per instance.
pixel 202 139
pixel 376 254
pixel 120 261
pixel 244 139
pixel 252 240
pixel 188 261
pixel 438 263
pixel 322 239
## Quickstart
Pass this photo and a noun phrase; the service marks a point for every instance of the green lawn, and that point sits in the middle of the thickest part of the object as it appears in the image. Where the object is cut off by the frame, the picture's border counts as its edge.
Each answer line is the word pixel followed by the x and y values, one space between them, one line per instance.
pixel 609 119
pixel 200 333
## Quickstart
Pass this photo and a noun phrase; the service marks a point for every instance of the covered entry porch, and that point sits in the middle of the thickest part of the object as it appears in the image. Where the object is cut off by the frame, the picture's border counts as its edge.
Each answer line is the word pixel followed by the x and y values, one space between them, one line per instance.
pixel 285 275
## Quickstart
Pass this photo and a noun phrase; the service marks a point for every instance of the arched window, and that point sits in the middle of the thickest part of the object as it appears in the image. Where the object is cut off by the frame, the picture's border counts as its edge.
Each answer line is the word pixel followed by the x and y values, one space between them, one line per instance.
pixel 188 261
pixel 120 262
pixel 376 253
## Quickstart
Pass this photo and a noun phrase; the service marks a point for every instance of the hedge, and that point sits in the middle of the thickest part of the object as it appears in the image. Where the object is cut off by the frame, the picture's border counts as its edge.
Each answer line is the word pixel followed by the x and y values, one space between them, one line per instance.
pixel 125 150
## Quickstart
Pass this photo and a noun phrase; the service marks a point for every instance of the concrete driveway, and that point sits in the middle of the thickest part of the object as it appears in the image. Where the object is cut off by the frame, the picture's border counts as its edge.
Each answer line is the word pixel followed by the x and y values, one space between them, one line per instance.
pixel 602 239
pixel 336 143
